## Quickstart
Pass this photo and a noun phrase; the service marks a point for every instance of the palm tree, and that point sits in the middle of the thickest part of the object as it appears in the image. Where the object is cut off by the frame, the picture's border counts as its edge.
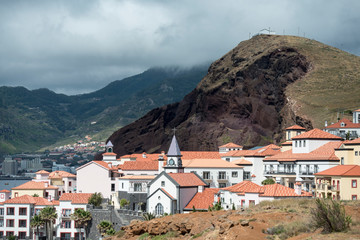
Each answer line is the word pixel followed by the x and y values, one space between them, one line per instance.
pixel 104 227
pixel 48 214
pixel 37 222
pixel 82 218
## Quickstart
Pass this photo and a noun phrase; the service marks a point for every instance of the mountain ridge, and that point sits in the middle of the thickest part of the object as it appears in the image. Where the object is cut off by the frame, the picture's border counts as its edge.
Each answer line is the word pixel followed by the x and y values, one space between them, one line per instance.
pixel 249 96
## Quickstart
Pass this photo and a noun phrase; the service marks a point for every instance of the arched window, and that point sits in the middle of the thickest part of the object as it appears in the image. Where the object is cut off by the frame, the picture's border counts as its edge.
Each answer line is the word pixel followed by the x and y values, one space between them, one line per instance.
pixel 159 209
pixel 109 150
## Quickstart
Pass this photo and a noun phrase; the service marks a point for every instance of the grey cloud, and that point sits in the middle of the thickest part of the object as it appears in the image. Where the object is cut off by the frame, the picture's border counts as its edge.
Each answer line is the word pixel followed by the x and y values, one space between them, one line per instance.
pixel 80 46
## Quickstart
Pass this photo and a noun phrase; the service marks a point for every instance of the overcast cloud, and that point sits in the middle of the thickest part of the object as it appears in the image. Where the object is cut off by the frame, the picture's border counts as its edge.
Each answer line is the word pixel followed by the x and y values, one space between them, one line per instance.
pixel 81 45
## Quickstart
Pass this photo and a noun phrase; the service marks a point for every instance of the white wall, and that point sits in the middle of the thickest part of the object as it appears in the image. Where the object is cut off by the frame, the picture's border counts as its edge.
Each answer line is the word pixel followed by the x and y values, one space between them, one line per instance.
pixel 159 197
pixel 169 186
pixel 310 145
pixel 93 178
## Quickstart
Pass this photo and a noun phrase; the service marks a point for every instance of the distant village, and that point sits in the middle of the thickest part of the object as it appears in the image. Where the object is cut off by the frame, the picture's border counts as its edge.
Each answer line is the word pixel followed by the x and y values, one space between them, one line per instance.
pixel 319 163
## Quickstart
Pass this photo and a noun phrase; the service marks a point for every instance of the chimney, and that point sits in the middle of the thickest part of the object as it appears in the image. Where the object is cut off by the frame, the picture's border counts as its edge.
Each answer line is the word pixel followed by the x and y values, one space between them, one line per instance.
pixel 161 163
pixel 144 155
pixel 326 124
pixel 298 188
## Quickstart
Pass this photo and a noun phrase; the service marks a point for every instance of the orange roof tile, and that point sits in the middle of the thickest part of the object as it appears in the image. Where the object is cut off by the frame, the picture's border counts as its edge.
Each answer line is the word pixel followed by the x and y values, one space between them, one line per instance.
pixel 61 174
pixel 355 141
pixel 76 198
pixel 348 124
pixel 268 150
pixel 286 143
pixel 278 190
pixel 209 163
pixel 202 200
pixel 341 170
pixel 187 179
pixel 230 145
pixel 27 199
pixel 5 191
pixel 325 152
pixel 188 155
pixel 295 127
pixel 241 162
pixel 103 164
pixel 42 172
pixel 34 185
pixel 243 187
pixel 145 177
pixel 140 166
pixel 162 189
pixel 109 154
pixel 357 110
pixel 317 134
pixel 139 156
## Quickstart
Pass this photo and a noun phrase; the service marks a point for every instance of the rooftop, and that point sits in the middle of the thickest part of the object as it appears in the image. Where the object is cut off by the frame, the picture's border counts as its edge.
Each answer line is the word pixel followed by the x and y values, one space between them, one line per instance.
pixel 230 145
pixel 209 163
pixel 34 185
pixel 317 134
pixel 202 200
pixel 27 199
pixel 295 127
pixel 346 124
pixel 187 179
pixel 76 198
pixel 341 170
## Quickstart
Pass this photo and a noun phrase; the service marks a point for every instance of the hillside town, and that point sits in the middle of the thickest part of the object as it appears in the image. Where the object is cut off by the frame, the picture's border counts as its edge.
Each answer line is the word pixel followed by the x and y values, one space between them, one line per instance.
pixel 308 164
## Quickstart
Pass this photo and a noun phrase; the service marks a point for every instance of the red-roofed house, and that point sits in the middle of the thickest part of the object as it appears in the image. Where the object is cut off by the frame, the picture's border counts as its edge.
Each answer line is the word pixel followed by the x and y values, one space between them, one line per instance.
pixel 311 152
pixel 229 147
pixel 64 181
pixel 16 213
pixel 252 161
pixel 340 182
pixel 346 126
pixel 4 195
pixel 293 131
pixel 248 193
pixel 42 189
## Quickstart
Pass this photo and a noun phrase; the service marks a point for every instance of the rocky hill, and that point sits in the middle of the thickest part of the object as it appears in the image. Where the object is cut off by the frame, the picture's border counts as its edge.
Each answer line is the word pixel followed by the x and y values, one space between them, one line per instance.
pixel 250 95
pixel 30 120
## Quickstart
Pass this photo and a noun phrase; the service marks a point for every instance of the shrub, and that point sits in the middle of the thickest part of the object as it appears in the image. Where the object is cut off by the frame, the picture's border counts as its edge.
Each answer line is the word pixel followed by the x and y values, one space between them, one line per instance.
pixel 148 216
pixel 330 215
pixel 124 202
pixel 268 181
pixel 95 199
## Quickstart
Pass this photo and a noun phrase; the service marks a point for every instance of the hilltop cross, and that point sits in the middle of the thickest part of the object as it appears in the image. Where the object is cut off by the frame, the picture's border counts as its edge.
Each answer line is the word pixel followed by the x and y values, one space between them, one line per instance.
pixel 174 129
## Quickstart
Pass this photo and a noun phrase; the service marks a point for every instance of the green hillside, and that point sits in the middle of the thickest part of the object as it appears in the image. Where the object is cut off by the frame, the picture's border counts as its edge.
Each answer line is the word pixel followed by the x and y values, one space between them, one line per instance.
pixel 30 120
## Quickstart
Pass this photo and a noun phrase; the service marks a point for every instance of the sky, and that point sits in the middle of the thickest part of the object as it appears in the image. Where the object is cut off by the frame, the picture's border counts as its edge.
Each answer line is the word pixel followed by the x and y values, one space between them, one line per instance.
pixel 80 46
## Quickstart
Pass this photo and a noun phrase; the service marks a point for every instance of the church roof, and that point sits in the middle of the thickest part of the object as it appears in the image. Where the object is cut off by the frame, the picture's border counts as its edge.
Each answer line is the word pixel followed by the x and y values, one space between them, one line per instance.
pixel 174 149
pixel 109 144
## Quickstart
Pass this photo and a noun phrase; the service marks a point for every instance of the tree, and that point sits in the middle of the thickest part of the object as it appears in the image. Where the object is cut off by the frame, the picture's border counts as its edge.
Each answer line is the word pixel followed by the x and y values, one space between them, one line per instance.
pixel 82 218
pixel 95 199
pixel 268 181
pixel 49 215
pixel 105 227
pixel 124 202
pixel 35 195
pixel 36 222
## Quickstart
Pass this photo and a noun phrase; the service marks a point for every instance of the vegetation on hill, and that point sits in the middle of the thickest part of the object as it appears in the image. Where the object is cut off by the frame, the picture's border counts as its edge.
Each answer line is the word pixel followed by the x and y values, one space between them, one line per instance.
pixel 30 120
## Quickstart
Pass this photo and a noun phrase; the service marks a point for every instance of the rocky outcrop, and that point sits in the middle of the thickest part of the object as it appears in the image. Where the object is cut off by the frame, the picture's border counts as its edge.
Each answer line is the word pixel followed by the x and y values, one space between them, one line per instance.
pixel 242 99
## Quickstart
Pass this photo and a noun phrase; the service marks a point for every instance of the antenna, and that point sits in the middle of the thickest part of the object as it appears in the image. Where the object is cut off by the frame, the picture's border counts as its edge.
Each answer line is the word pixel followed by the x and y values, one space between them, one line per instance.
pixel 174 130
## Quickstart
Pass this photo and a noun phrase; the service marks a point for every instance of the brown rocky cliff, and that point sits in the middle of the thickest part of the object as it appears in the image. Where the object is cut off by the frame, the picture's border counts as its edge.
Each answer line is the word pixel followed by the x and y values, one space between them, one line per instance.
pixel 242 99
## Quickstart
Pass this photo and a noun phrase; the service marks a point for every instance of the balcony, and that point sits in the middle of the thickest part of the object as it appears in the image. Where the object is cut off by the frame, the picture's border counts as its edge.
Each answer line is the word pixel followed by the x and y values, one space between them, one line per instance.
pixel 307 173
pixel 137 190
pixel 222 178
pixel 279 172
pixel 335 188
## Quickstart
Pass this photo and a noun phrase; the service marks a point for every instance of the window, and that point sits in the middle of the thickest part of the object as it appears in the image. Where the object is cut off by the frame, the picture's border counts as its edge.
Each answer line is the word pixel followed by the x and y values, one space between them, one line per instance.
pixel 65 236
pixel 77 236
pixel 37 211
pixel 234 174
pixel 1 233
pixel 289 135
pixel 137 187
pixel 227 159
pixel 66 224
pixel 113 187
pixel 251 202
pixel 242 202
pixel 353 197
pixel 159 209
pixel 1 222
pixel 22 235
pixel 69 184
pixel 122 185
pixel 354 183
pixel 163 183
pixel 316 168
pixel 206 175
pixel 9 233
pixel 222 175
pixel 356 153
pixel 296 143
pixel 10 211
pixel 1 211
pixel 222 185
pixel 66 212
pixel 10 223
pixel 22 223
pixel 247 175
pixel 342 160
pixel 300 143
pixel 304 143
pixel 22 211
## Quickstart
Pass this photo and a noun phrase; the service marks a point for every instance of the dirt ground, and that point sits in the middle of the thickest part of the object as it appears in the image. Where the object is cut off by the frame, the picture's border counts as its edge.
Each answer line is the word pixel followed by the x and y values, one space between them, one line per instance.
pixel 259 222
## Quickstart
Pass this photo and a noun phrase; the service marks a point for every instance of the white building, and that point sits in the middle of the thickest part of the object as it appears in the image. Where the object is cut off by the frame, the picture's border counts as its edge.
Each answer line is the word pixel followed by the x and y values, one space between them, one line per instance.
pixel 311 152
pixel 345 127
pixel 247 193
pixel 229 147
